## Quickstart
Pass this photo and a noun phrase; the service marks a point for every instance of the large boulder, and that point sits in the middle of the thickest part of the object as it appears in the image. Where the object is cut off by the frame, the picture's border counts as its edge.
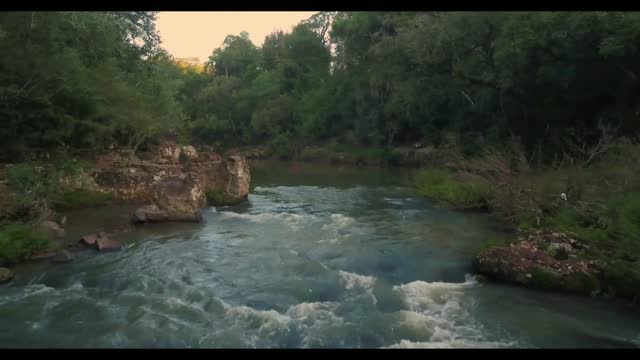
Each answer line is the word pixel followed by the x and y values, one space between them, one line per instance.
pixel 5 275
pixel 228 181
pixel 181 197
pixel 176 198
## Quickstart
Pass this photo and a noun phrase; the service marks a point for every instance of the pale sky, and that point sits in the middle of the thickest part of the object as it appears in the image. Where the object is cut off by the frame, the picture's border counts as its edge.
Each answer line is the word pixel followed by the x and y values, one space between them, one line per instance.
pixel 197 34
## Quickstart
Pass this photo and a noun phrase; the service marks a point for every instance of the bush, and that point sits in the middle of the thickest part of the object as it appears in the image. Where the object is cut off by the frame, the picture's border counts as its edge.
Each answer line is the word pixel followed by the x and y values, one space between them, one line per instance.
pixel 441 186
pixel 18 241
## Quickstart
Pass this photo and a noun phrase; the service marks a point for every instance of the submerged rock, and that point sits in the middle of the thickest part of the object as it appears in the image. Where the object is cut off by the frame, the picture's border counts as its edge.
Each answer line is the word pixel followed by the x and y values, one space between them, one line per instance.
pixel 5 275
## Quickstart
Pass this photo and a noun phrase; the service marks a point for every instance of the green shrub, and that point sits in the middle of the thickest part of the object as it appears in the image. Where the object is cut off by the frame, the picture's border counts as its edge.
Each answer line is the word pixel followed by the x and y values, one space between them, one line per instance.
pixel 18 241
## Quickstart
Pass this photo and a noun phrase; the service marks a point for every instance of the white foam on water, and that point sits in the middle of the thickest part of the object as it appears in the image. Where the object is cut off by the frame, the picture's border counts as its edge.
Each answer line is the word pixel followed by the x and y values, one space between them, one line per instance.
pixel 338 221
pixel 309 319
pixel 292 220
pixel 266 321
pixel 329 241
pixel 436 310
pixel 406 344
pixel 354 281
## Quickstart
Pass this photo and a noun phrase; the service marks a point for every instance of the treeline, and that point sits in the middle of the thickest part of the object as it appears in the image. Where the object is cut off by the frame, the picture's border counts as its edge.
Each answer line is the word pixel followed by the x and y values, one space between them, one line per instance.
pixel 557 81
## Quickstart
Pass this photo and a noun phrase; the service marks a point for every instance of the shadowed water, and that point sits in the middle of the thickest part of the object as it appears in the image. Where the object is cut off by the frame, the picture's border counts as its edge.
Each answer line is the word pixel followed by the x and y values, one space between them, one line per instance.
pixel 318 257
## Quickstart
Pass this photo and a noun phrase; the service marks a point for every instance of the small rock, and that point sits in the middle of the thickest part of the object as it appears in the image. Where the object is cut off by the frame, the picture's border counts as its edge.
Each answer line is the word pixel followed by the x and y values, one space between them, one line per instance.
pixel 106 244
pixel 89 239
pixel 528 276
pixel 132 170
pixel 5 275
pixel 63 257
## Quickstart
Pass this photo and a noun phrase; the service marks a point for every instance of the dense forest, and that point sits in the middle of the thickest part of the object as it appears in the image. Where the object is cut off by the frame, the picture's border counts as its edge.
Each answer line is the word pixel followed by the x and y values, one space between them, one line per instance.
pixel 537 104
pixel 554 80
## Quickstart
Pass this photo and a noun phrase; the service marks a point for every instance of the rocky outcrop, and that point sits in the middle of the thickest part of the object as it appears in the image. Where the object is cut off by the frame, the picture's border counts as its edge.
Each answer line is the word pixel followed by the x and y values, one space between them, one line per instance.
pixel 5 275
pixel 227 182
pixel 544 260
pixel 176 198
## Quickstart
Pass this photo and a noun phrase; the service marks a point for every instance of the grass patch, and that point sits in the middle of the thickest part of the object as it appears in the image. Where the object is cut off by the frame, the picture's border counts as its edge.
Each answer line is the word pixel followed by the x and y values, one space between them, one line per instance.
pixel 76 199
pixel 440 185
pixel 18 241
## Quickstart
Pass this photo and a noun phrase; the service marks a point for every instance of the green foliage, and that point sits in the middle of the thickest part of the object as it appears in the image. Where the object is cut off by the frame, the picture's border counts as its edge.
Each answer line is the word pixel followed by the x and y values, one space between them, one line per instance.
pixel 18 241
pixel 441 186
pixel 79 80
pixel 77 199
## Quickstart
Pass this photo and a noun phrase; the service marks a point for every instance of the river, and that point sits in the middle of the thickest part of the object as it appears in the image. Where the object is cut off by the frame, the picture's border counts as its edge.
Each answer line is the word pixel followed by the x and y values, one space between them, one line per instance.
pixel 319 257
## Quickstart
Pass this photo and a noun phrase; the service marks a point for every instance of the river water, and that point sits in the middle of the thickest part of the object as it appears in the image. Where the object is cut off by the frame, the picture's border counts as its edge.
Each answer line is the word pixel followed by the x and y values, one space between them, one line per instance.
pixel 319 257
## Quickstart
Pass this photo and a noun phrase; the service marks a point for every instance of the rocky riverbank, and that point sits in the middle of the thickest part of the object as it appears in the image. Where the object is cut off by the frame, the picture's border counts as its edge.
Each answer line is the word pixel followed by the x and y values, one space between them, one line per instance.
pixel 171 182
